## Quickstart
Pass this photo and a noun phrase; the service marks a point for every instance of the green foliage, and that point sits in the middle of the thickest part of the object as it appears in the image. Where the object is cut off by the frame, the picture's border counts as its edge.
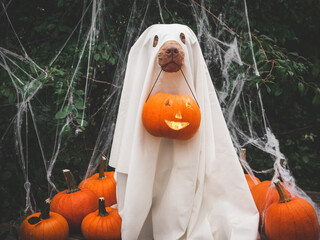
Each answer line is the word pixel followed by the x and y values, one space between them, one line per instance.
pixel 291 98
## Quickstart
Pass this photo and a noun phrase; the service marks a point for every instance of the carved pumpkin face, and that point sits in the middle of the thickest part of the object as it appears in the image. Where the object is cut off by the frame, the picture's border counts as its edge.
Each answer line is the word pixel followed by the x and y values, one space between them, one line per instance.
pixel 171 116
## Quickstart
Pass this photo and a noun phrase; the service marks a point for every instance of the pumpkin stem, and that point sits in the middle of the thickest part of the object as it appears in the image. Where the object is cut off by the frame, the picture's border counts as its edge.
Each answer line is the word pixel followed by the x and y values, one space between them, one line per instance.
pixel 282 193
pixel 243 156
pixel 281 164
pixel 102 208
pixel 71 182
pixel 45 210
pixel 101 169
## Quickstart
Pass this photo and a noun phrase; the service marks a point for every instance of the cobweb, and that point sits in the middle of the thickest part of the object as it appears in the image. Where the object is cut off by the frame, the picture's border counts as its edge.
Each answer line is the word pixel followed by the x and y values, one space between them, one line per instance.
pixel 223 47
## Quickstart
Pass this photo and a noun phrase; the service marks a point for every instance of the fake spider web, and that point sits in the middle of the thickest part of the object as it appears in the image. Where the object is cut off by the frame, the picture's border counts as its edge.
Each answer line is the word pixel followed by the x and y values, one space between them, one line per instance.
pixel 240 100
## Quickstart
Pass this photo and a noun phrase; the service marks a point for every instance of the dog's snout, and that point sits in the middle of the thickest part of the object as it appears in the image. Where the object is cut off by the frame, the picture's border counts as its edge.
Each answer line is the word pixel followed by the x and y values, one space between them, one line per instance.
pixel 172 51
pixel 171 56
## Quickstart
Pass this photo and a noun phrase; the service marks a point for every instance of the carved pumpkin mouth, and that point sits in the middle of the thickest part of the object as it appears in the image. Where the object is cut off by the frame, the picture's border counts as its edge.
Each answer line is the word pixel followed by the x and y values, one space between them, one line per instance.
pixel 176 125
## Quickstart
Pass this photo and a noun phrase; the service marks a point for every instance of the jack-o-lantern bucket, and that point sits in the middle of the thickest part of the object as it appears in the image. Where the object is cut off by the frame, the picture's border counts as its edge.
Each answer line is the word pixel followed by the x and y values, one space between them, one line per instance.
pixel 171 116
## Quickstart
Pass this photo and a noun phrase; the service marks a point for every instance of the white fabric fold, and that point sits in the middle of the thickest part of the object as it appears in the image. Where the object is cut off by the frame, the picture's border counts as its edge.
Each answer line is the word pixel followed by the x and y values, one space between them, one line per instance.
pixel 173 189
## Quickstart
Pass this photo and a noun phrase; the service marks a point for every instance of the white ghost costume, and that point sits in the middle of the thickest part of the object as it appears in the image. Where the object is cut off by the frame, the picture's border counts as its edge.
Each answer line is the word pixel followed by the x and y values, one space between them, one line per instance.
pixel 173 189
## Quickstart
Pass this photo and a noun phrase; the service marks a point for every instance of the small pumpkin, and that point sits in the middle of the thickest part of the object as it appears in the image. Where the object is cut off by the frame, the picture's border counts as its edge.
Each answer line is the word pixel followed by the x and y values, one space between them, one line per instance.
pixel 171 116
pixel 102 184
pixel 74 203
pixel 251 179
pixel 264 194
pixel 44 225
pixel 103 224
pixel 291 218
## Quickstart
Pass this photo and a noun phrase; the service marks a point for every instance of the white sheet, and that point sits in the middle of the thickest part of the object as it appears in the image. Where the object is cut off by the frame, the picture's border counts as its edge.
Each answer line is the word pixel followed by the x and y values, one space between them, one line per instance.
pixel 170 189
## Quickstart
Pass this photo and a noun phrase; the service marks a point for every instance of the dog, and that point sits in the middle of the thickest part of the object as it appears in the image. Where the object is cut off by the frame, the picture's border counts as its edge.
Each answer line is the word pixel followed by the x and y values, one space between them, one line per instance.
pixel 168 188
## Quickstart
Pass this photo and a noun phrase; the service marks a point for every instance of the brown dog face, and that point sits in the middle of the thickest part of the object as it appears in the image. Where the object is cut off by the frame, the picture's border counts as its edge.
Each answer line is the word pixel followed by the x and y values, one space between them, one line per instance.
pixel 171 56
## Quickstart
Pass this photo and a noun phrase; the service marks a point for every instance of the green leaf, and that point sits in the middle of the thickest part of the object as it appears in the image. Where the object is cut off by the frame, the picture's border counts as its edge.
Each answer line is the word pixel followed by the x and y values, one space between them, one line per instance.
pixel 294 54
pixel 165 14
pixel 58 72
pixel 63 113
pixel 97 57
pixel 112 61
pixel 66 130
pixel 105 56
pixel 99 47
pixel 78 103
pixel 60 91
pixel 85 123
pixel 79 92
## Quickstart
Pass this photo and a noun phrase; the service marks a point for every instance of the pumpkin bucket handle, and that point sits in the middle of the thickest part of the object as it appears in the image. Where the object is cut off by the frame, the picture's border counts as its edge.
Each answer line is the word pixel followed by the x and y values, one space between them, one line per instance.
pixel 184 79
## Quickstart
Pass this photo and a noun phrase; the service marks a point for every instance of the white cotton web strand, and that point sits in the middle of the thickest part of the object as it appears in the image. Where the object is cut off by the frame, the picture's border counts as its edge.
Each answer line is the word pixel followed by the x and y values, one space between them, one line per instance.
pixel 90 39
pixel 25 92
pixel 250 38
pixel 31 83
pixel 103 143
pixel 160 11
pixel 221 48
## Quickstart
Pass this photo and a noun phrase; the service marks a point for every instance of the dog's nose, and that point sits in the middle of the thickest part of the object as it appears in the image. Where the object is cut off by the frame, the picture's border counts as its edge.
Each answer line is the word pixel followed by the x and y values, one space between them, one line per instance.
pixel 172 51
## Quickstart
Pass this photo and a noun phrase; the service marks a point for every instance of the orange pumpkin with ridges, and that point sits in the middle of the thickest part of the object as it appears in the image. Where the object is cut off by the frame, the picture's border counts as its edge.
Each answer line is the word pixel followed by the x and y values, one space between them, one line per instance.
pixel 74 203
pixel 102 184
pixel 44 225
pixel 264 194
pixel 291 218
pixel 171 116
pixel 103 224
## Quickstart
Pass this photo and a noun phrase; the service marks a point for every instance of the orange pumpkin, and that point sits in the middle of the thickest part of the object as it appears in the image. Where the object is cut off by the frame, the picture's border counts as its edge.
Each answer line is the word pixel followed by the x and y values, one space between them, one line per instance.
pixel 103 224
pixel 171 116
pixel 291 219
pixel 102 184
pixel 44 225
pixel 74 203
pixel 264 195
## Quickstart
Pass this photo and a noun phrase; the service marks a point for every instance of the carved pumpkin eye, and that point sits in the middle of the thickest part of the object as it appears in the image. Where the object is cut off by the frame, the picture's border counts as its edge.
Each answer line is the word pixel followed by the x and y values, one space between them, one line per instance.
pixel 168 102
pixel 183 38
pixel 155 40
pixel 188 104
